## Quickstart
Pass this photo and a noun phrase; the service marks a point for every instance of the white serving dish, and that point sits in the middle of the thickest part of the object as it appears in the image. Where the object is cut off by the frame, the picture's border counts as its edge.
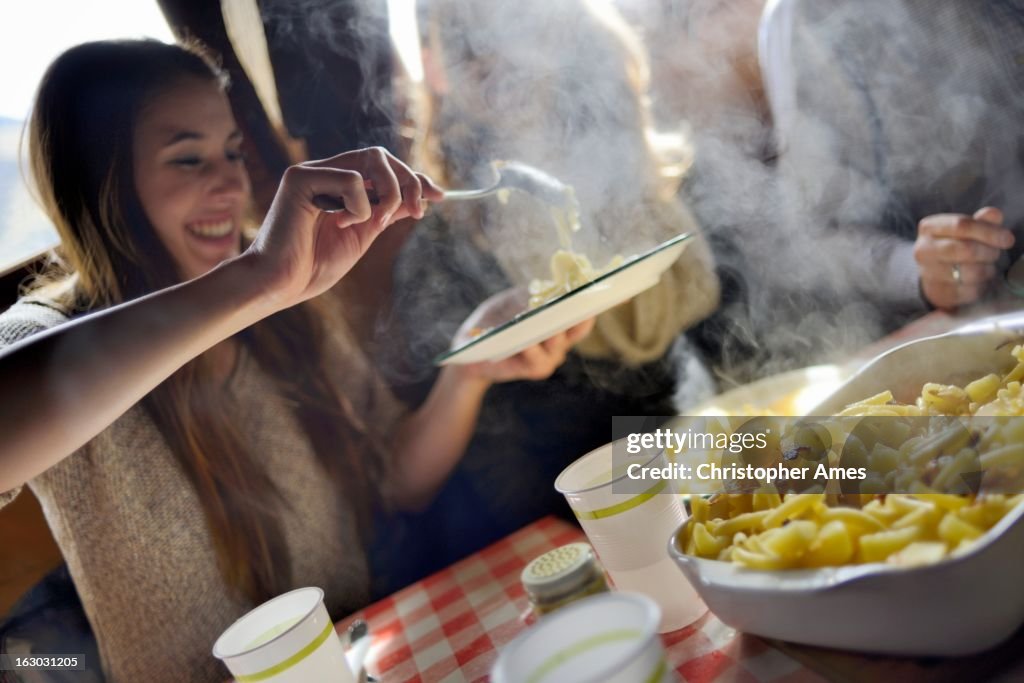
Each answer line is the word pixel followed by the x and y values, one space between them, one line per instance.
pixel 962 605
pixel 529 327
pixel 959 606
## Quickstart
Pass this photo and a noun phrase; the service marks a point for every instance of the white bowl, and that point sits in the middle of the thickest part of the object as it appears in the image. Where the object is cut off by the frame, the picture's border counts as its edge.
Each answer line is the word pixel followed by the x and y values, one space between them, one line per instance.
pixel 530 327
pixel 958 606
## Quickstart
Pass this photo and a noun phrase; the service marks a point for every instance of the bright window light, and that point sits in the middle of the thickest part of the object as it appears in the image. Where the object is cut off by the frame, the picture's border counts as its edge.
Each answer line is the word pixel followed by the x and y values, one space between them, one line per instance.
pixel 32 34
pixel 405 36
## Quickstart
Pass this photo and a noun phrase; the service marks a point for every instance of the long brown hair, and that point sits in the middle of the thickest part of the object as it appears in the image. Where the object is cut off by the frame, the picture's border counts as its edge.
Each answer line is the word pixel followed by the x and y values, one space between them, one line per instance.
pixel 80 151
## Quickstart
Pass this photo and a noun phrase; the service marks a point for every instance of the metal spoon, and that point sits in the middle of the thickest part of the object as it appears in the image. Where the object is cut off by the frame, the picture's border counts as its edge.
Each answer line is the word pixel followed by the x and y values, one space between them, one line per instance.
pixel 513 175
pixel 510 175
pixel 359 645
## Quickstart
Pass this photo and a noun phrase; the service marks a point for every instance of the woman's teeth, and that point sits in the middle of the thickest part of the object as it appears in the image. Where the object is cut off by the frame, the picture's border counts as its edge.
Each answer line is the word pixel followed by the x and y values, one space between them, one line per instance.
pixel 219 229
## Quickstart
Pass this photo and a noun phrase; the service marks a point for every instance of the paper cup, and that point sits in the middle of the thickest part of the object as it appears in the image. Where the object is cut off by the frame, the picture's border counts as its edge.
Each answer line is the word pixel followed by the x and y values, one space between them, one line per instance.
pixel 289 639
pixel 610 638
pixel 629 532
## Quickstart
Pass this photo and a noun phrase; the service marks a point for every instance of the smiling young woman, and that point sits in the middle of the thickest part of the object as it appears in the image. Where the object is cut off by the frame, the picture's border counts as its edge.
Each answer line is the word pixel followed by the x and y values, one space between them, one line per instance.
pixel 189 171
pixel 199 425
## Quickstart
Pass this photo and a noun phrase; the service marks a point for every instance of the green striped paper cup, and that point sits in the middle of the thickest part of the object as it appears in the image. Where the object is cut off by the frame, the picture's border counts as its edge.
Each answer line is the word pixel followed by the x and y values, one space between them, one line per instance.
pixel 607 638
pixel 628 525
pixel 288 639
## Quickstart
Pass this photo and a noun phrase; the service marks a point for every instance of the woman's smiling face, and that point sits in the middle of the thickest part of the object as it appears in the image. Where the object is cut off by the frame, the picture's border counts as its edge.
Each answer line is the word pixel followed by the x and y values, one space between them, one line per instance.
pixel 189 174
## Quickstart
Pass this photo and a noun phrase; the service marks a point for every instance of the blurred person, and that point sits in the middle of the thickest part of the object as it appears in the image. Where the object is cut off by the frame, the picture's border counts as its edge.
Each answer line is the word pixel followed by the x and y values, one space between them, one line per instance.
pixel 901 133
pixel 705 71
pixel 561 87
pixel 706 80
pixel 185 399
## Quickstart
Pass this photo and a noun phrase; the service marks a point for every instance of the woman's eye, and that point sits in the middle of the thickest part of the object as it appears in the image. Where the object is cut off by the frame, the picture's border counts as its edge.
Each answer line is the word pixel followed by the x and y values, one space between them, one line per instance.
pixel 187 162
pixel 235 155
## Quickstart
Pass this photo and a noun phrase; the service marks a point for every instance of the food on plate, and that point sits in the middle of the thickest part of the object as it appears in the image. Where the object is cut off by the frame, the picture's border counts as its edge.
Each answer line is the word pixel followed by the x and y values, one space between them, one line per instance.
pixel 958 476
pixel 569 269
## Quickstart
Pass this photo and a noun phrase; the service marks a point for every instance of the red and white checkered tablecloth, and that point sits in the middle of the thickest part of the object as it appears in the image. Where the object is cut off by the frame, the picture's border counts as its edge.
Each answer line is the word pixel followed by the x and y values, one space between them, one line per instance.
pixel 449 627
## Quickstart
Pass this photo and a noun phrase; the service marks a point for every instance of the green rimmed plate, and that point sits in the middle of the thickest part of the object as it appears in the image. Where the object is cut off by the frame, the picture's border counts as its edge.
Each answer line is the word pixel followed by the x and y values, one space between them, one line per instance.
pixel 510 327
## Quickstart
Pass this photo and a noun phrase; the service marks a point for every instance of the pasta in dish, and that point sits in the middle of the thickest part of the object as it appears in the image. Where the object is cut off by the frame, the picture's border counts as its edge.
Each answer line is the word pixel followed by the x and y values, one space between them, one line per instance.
pixel 802 530
pixel 990 395
pixel 931 462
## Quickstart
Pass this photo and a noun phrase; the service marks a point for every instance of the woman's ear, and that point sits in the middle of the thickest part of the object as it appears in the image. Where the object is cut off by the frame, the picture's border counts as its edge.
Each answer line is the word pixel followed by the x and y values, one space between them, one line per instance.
pixel 433 72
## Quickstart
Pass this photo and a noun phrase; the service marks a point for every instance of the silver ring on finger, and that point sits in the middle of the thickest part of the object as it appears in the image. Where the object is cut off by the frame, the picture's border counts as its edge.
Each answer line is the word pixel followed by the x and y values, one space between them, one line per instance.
pixel 958 277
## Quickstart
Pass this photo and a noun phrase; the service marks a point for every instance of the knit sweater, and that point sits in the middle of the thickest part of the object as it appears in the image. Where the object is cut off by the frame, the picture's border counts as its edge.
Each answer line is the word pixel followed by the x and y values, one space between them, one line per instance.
pixel 133 533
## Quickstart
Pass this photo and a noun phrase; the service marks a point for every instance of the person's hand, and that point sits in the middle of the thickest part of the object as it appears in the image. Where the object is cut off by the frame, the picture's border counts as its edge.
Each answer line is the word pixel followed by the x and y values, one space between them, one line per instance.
pixel 536 362
pixel 956 255
pixel 301 251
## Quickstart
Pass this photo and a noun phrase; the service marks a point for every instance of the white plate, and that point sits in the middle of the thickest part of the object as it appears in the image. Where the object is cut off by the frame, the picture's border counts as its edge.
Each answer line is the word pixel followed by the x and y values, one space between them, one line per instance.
pixel 958 606
pixel 523 328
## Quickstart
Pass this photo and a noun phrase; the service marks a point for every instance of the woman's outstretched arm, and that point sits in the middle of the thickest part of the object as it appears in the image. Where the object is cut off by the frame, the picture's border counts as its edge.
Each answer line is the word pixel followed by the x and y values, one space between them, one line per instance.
pixel 61 388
